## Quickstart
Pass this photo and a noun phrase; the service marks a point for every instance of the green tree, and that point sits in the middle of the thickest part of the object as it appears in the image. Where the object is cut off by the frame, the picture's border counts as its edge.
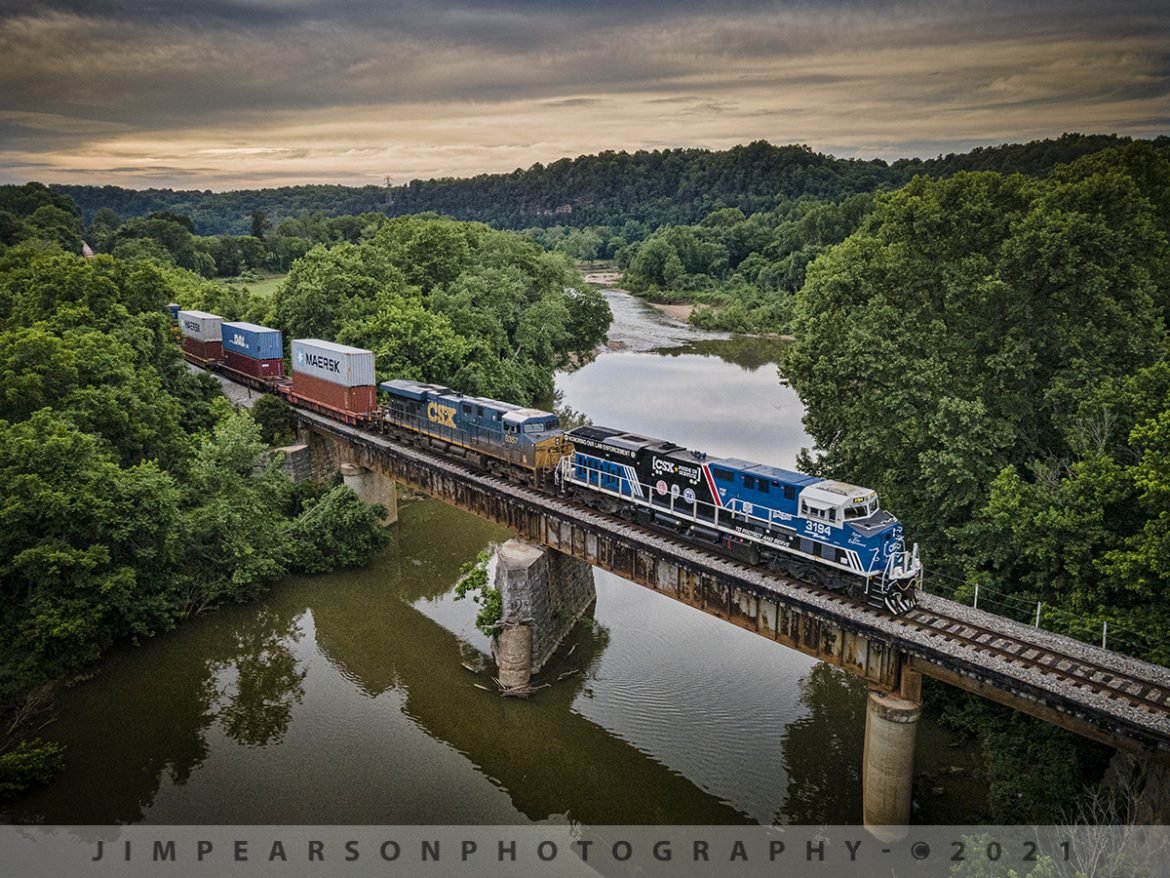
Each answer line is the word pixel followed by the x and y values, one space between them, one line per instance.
pixel 233 533
pixel 260 224
pixel 274 417
pixel 484 311
pixel 949 339
pixel 338 530
pixel 57 225
pixel 85 546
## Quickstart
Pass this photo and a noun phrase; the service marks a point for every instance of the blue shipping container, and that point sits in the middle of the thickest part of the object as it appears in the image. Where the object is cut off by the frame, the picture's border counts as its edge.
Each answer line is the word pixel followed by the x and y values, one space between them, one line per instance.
pixel 257 342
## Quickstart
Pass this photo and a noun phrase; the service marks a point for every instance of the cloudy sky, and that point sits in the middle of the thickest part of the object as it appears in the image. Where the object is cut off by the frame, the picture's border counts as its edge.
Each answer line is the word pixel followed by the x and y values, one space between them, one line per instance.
pixel 244 93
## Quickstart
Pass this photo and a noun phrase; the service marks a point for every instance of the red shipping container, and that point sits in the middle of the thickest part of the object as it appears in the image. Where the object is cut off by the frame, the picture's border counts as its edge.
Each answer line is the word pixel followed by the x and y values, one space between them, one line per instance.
pixel 356 400
pixel 211 351
pixel 256 368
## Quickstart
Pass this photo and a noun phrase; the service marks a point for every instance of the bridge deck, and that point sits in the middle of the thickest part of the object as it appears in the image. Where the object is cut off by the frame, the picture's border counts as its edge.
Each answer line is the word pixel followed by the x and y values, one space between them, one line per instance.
pixel 1103 695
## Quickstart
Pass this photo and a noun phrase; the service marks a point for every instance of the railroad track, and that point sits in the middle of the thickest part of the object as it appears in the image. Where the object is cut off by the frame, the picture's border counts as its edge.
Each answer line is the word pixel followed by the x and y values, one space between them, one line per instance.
pixel 1023 653
pixel 1076 664
pixel 1081 665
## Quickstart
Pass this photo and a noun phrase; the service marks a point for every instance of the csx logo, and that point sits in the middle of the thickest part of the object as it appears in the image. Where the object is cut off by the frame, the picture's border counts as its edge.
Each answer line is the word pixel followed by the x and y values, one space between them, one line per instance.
pixel 441 414
pixel 193 325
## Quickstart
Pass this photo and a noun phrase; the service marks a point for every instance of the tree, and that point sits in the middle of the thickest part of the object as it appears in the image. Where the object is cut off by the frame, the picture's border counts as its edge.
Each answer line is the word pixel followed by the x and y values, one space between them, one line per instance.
pixel 261 225
pixel 231 528
pixel 133 496
pixel 948 339
pixel 484 311
pixel 274 418
pixel 55 224
pixel 338 530
pixel 84 549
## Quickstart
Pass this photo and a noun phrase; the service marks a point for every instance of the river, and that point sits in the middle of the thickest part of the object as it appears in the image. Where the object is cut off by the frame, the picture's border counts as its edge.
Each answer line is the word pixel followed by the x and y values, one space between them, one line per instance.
pixel 355 697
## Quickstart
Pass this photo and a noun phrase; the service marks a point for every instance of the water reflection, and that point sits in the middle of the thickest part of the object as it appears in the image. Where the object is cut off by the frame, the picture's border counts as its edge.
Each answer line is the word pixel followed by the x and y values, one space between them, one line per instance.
pixel 142 722
pixel 335 700
pixel 750 352
pixel 255 690
pixel 822 750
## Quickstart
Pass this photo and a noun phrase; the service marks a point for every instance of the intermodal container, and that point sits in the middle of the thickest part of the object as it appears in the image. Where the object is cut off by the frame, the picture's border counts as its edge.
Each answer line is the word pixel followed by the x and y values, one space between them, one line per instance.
pixel 201 326
pixel 255 368
pixel 257 342
pixel 332 362
pixel 174 309
pixel 356 400
pixel 211 351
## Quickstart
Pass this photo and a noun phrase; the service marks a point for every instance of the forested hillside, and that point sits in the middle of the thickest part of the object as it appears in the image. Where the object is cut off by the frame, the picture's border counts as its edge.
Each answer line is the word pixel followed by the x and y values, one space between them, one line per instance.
pixel 662 187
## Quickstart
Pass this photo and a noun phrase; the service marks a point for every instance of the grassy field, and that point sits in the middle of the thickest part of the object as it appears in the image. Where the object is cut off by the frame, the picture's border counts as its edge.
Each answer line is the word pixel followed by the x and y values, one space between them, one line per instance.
pixel 263 288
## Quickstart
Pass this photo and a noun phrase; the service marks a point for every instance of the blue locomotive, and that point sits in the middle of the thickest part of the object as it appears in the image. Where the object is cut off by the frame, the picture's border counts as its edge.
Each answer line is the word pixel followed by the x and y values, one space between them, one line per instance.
pixel 497 434
pixel 818 530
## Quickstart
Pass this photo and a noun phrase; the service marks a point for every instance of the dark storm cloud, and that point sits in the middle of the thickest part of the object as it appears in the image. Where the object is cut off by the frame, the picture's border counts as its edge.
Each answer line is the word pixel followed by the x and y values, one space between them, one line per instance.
pixel 153 85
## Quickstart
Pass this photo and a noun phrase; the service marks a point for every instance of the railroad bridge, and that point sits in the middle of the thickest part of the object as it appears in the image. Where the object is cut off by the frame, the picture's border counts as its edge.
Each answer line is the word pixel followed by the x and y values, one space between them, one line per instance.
pixel 1101 695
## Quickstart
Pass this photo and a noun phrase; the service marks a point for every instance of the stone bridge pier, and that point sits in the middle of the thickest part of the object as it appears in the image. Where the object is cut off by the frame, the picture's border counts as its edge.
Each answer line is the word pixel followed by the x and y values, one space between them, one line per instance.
pixel 372 488
pixel 543 594
pixel 319 457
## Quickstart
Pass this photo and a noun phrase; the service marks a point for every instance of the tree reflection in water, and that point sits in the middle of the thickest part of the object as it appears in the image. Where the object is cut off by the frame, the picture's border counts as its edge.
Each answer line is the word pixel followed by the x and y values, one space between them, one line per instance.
pixel 254 689
pixel 822 750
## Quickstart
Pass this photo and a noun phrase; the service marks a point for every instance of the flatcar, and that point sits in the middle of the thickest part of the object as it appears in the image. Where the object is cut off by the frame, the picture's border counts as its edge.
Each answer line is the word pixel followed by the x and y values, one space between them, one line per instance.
pixel 818 530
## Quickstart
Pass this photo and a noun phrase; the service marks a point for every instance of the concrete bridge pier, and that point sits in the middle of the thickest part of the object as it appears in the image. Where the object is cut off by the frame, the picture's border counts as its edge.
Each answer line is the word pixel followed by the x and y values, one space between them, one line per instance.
pixel 372 487
pixel 891 726
pixel 543 594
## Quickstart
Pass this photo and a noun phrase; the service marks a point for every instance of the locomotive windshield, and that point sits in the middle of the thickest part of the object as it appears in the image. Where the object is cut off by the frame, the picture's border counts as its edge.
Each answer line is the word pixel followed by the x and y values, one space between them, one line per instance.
pixel 857 510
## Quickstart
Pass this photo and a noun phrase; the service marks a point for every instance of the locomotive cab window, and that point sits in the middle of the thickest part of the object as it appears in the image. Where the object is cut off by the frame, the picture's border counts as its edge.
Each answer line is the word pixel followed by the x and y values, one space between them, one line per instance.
pixel 789 492
pixel 817 513
pixel 722 474
pixel 749 482
pixel 466 409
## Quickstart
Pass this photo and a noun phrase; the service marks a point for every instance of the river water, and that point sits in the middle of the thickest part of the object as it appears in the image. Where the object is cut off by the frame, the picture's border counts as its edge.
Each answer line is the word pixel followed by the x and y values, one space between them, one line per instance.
pixel 355 697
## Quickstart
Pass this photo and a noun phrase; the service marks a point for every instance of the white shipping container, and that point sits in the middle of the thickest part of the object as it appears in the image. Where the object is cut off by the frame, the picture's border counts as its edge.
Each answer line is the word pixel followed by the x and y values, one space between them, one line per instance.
pixel 200 325
pixel 332 362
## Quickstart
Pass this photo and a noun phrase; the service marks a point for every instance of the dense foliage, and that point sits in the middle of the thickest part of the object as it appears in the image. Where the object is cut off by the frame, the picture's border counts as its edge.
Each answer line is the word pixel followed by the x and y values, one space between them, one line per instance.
pixel 742 270
pixel 660 187
pixel 133 495
pixel 990 353
pixel 485 312
pixel 987 346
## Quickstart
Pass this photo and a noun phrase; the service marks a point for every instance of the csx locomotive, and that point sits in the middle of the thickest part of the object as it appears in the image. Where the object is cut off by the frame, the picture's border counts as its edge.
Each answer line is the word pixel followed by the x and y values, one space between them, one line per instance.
pixel 822 531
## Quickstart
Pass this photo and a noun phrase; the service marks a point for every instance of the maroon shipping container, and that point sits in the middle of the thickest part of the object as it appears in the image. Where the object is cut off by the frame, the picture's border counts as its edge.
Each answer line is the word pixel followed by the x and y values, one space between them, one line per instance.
pixel 256 368
pixel 211 351
pixel 356 400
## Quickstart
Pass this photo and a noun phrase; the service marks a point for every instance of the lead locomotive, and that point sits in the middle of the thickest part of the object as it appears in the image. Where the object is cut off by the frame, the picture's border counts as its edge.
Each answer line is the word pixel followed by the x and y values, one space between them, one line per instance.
pixel 827 532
